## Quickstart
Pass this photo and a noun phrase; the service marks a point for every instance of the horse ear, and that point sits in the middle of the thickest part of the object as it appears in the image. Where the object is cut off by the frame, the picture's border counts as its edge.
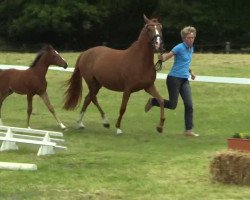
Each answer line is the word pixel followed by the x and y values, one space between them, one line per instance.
pixel 158 18
pixel 50 47
pixel 47 47
pixel 145 19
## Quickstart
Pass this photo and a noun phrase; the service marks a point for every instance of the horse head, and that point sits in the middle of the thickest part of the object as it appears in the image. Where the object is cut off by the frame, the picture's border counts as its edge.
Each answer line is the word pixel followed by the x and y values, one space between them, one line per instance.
pixel 54 57
pixel 154 29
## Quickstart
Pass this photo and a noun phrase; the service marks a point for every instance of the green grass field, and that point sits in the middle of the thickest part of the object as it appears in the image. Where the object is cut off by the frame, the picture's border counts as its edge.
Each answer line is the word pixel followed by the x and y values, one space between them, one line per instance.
pixel 141 164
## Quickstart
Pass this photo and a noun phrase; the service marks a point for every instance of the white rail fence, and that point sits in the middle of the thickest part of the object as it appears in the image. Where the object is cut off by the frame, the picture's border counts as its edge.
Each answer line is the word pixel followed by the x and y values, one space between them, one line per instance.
pixel 208 79
pixel 46 140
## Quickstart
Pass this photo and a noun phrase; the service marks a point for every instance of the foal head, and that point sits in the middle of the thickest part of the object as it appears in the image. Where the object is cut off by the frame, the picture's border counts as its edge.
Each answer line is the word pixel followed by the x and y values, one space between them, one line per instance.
pixel 154 29
pixel 53 57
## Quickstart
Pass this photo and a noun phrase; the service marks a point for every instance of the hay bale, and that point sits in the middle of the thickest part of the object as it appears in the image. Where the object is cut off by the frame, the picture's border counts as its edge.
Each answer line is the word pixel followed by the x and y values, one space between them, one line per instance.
pixel 231 167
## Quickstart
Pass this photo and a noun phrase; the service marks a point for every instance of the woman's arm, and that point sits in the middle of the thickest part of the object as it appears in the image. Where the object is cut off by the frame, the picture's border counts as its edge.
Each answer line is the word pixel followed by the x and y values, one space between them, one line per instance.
pixel 166 56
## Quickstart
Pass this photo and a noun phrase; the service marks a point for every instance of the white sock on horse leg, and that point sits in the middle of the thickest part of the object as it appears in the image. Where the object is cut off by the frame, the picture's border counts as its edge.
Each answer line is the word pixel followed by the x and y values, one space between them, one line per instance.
pixel 79 122
pixel 105 120
pixel 62 126
pixel 80 117
pixel 118 131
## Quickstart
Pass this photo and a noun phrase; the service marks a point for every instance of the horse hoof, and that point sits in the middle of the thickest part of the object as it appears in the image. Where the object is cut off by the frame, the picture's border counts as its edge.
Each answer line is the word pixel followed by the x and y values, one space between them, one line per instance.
pixel 118 131
pixel 159 129
pixel 107 125
pixel 80 125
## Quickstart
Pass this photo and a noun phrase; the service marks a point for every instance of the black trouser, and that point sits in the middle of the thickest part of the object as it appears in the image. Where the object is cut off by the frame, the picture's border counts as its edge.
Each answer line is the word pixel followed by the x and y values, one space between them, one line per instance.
pixel 175 87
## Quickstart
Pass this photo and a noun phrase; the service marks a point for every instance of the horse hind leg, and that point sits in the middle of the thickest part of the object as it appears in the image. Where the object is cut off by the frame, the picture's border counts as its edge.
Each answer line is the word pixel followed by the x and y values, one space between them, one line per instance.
pixel 93 90
pixel 1 103
pixel 86 103
pixel 105 121
pixel 2 98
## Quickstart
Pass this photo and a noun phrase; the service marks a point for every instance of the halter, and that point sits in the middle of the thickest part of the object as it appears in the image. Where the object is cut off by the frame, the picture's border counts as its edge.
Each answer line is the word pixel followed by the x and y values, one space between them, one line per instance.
pixel 156 35
pixel 158 64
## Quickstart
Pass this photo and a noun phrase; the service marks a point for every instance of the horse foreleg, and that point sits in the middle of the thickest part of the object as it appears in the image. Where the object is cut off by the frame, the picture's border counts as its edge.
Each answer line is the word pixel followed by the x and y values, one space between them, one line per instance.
pixel 153 91
pixel 125 99
pixel 46 100
pixel 29 109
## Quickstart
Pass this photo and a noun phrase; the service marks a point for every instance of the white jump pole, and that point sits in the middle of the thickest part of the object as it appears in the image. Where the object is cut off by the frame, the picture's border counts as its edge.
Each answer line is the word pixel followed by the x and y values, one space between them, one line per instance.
pixel 17 166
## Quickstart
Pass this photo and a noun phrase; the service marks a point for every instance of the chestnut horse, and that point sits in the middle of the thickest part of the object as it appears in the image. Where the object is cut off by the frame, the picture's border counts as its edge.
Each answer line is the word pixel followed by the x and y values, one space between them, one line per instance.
pixel 31 81
pixel 126 71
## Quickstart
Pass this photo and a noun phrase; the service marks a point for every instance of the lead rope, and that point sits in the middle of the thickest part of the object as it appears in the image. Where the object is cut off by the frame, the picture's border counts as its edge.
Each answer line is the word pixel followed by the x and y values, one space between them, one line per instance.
pixel 158 65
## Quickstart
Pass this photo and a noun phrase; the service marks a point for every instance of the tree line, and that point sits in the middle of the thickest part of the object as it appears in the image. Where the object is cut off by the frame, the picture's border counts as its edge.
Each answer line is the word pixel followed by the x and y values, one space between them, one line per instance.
pixel 80 24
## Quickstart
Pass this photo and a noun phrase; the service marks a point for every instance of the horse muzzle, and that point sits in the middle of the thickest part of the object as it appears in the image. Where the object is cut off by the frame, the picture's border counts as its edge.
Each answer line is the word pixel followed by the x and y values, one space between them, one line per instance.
pixel 65 66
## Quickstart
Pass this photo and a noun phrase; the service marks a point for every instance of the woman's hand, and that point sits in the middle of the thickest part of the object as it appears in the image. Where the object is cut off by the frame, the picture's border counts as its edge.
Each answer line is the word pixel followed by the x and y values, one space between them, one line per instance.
pixel 192 75
pixel 165 56
pixel 160 57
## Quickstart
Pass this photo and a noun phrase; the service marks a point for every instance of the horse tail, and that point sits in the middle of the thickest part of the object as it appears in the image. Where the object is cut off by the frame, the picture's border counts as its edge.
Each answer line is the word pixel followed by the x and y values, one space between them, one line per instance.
pixel 73 94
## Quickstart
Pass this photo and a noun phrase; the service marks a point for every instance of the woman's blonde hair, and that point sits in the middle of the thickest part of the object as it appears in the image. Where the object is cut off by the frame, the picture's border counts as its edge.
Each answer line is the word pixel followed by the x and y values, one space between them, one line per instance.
pixel 187 30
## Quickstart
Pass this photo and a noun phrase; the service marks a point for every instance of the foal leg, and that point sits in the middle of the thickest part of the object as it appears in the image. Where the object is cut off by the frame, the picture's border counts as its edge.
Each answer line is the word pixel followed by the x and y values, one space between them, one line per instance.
pixel 125 98
pixel 45 98
pixel 29 109
pixel 152 91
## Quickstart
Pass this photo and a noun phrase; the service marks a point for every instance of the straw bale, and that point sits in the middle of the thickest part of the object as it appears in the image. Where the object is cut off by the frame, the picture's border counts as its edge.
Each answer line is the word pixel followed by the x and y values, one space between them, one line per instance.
pixel 231 167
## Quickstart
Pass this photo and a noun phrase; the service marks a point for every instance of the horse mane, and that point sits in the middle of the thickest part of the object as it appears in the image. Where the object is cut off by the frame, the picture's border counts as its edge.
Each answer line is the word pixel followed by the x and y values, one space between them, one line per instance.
pixel 36 59
pixel 154 20
pixel 140 36
pixel 46 47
